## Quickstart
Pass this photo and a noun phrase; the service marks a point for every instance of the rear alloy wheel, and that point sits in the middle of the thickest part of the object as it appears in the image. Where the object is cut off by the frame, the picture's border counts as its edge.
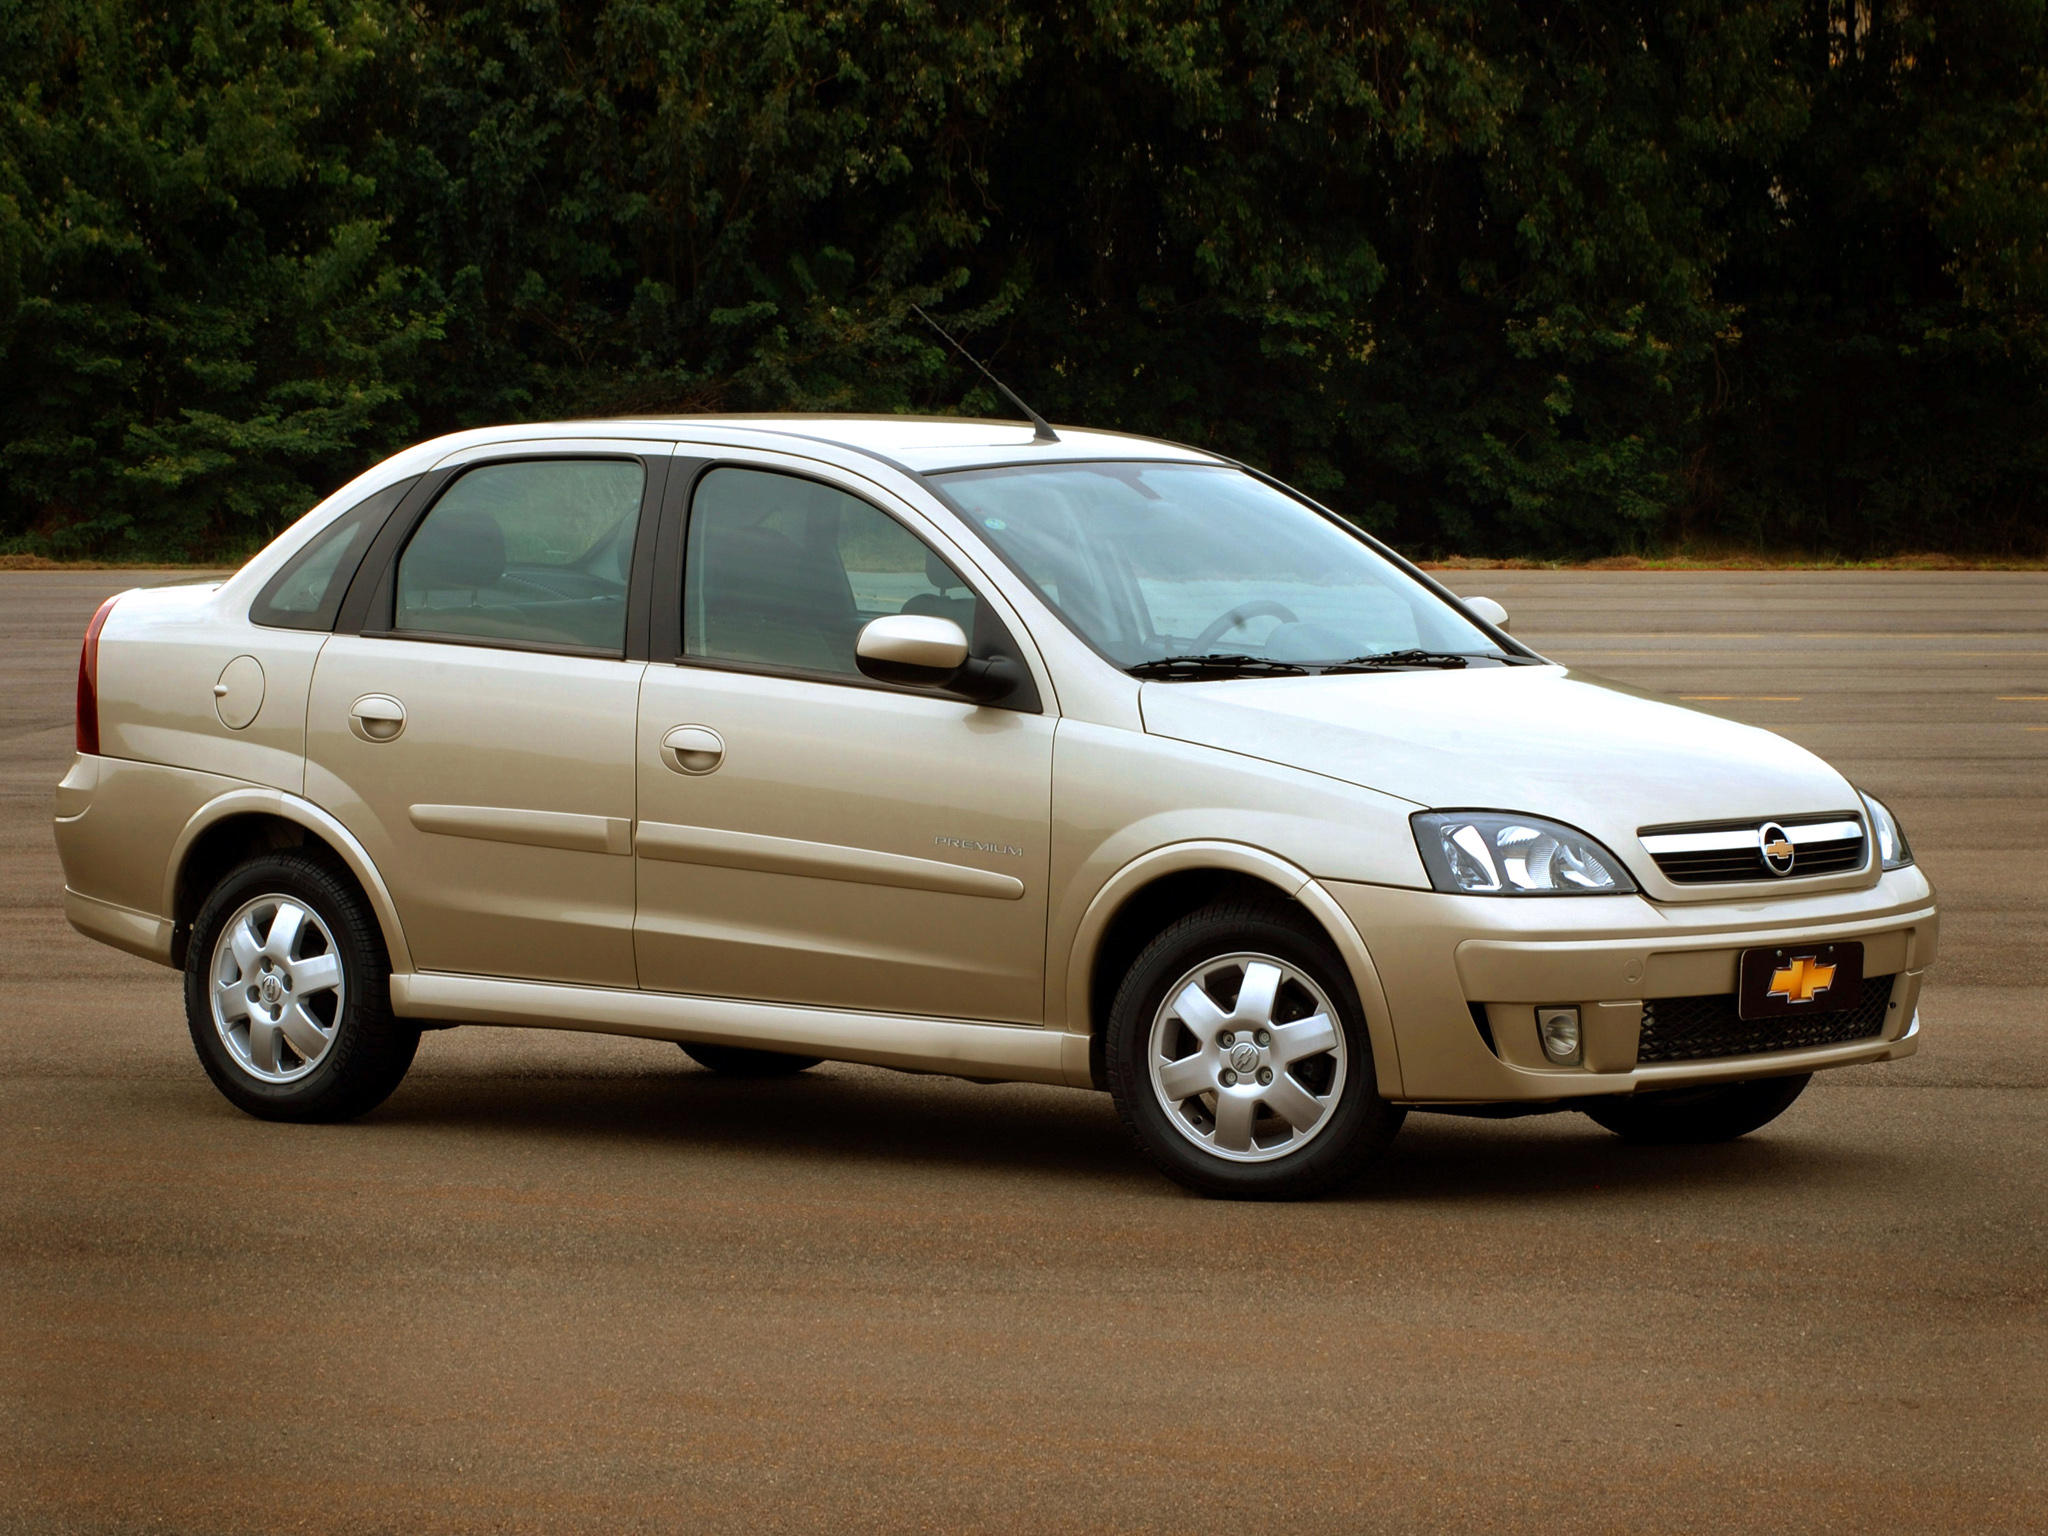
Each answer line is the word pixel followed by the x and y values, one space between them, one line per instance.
pixel 1696 1115
pixel 277 988
pixel 744 1061
pixel 1238 1057
pixel 287 994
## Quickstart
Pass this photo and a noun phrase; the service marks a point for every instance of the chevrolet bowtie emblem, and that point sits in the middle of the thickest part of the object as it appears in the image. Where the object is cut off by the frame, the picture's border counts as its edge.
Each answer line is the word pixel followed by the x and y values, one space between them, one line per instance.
pixel 1776 847
pixel 1799 981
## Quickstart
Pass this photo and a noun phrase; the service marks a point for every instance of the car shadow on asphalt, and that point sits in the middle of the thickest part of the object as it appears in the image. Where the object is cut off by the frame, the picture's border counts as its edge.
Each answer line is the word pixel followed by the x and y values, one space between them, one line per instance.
pixel 838 1113
pixel 1565 1156
pixel 887 1119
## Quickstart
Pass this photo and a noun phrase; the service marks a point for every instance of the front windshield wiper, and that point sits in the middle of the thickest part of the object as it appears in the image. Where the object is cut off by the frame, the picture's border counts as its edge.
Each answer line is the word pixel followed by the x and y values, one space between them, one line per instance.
pixel 1398 660
pixel 1193 669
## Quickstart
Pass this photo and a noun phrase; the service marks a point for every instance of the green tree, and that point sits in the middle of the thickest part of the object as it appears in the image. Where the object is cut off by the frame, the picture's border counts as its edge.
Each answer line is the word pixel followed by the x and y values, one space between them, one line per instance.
pixel 1502 277
pixel 209 328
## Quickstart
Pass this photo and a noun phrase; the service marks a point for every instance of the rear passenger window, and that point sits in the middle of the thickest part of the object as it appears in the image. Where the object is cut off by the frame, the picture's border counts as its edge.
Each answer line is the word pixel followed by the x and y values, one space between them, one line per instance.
pixel 306 593
pixel 536 552
pixel 785 571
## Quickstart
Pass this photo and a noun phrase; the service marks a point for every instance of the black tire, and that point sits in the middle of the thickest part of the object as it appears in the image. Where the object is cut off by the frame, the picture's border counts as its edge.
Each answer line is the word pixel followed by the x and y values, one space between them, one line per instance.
pixel 1691 1116
pixel 744 1061
pixel 371 1048
pixel 1355 1129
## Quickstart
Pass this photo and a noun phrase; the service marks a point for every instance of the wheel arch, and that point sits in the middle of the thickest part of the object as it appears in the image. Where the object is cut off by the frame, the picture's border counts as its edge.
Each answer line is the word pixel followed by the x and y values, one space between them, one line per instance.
pixel 1155 889
pixel 227 829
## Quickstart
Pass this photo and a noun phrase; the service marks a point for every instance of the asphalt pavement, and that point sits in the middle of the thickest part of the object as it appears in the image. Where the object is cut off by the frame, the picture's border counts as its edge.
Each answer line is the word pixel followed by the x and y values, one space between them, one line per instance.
pixel 572 1283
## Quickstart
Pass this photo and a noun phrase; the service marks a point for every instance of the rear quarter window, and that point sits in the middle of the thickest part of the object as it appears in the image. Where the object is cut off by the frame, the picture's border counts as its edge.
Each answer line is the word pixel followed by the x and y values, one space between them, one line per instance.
pixel 307 592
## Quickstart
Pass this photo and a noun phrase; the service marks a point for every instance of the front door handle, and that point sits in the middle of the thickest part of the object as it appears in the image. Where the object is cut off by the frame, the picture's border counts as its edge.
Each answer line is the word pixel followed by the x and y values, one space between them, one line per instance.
pixel 376 717
pixel 693 749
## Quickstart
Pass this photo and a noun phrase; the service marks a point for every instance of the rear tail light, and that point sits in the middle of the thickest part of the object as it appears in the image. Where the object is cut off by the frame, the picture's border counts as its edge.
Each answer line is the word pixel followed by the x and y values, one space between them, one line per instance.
pixel 89 681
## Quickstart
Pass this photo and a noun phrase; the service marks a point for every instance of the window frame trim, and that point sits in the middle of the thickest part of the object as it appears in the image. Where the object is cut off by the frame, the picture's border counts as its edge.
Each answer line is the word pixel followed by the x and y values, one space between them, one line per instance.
pixel 494 643
pixel 368 608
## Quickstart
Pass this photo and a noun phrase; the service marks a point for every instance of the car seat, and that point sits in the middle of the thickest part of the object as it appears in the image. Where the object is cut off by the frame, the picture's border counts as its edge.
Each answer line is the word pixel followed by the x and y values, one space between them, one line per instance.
pixel 767 598
pixel 937 604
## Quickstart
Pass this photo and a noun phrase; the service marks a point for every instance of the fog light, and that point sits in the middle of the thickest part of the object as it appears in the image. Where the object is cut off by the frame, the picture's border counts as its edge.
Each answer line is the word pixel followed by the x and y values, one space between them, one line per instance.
pixel 1559 1028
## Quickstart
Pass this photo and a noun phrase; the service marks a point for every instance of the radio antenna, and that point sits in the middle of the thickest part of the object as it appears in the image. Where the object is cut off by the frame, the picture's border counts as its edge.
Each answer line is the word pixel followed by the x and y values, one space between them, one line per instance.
pixel 1040 431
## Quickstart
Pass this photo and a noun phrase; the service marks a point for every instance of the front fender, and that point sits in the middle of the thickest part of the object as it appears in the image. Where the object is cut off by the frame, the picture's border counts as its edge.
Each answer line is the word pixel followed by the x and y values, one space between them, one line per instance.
pixel 1239 859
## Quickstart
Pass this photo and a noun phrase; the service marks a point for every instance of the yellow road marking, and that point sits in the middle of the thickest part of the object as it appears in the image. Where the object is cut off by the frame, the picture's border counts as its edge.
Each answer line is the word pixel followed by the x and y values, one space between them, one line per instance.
pixel 1771 698
pixel 2023 698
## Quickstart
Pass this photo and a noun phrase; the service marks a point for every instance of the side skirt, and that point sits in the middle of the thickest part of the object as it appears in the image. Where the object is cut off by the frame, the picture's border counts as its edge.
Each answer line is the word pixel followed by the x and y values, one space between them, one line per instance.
pixel 956 1046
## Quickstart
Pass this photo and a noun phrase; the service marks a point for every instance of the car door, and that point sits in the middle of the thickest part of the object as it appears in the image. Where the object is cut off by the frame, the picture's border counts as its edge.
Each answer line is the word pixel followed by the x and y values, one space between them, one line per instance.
pixel 472 720
pixel 807 835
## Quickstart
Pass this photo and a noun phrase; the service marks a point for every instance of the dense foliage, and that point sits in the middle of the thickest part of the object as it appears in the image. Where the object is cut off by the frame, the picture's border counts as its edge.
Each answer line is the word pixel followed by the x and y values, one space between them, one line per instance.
pixel 1493 277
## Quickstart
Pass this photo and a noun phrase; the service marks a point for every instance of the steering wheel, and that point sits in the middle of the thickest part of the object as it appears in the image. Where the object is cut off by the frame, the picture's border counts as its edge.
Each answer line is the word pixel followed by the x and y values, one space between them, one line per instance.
pixel 1262 608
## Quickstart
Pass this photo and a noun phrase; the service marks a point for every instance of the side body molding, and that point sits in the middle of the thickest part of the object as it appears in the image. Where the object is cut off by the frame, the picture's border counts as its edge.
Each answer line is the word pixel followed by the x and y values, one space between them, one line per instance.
pixel 1243 859
pixel 290 807
pixel 825 861
pixel 534 829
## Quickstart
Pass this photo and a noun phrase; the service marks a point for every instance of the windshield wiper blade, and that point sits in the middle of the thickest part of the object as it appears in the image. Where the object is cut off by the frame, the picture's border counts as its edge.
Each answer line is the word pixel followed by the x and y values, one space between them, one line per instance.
pixel 1391 661
pixel 1191 669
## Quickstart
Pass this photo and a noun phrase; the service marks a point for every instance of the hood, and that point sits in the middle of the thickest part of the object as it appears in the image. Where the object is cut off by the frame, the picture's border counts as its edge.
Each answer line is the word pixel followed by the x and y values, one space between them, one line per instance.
pixel 1545 741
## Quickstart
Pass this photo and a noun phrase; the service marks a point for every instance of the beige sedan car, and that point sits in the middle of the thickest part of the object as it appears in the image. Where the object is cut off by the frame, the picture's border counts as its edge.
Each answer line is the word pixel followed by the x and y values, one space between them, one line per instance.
pixel 950 747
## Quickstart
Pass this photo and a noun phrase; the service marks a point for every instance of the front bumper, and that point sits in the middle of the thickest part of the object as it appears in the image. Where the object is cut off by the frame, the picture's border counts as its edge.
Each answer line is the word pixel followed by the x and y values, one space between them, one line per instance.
pixel 1437 956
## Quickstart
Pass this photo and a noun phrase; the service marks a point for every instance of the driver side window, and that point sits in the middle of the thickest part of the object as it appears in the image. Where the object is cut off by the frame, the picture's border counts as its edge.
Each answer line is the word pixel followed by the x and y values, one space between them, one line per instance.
pixel 783 571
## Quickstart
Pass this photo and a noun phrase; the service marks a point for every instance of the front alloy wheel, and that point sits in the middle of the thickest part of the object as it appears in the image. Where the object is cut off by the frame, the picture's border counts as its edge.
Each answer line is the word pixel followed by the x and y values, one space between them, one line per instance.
pixel 1246 1057
pixel 1238 1056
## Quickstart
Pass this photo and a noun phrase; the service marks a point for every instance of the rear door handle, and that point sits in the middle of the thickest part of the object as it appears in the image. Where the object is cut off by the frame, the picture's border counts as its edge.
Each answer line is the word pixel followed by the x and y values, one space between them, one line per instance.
pixel 376 717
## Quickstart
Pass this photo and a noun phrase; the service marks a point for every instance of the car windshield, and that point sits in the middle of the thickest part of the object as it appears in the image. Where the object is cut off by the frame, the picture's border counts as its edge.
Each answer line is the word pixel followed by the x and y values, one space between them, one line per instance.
pixel 1156 561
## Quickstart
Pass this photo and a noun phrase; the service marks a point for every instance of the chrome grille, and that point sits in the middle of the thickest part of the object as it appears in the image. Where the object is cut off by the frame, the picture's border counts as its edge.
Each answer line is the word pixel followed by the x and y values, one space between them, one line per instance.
pixel 1716 852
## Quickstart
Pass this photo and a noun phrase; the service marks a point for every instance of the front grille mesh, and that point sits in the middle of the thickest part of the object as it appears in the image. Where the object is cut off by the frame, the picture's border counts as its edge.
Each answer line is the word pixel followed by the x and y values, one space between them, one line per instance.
pixel 1698 1028
pixel 1832 857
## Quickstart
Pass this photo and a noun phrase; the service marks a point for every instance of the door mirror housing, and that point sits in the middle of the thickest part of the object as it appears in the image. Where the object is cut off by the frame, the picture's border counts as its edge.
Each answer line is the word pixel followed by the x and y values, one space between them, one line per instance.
pixel 1489 610
pixel 918 649
pixel 923 651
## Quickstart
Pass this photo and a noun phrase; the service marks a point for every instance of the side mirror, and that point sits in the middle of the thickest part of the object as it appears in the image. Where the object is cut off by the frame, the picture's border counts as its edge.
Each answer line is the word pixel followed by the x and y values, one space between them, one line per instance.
pixel 922 651
pixel 1486 608
pixel 912 648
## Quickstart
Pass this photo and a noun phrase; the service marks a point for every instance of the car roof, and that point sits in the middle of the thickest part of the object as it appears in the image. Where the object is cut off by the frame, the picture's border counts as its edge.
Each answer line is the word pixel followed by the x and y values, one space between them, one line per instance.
pixel 927 444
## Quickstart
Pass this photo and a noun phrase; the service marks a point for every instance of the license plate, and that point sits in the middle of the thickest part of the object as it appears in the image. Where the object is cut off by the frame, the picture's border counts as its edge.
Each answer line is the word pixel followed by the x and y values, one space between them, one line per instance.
pixel 1807 978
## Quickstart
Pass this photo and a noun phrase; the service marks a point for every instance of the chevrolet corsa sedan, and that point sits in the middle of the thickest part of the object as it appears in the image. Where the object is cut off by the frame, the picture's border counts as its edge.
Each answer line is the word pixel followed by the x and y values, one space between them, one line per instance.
pixel 943 746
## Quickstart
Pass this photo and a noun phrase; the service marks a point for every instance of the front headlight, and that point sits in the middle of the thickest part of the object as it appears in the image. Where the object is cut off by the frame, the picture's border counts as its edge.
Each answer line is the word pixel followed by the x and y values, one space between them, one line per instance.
pixel 1892 851
pixel 1491 853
